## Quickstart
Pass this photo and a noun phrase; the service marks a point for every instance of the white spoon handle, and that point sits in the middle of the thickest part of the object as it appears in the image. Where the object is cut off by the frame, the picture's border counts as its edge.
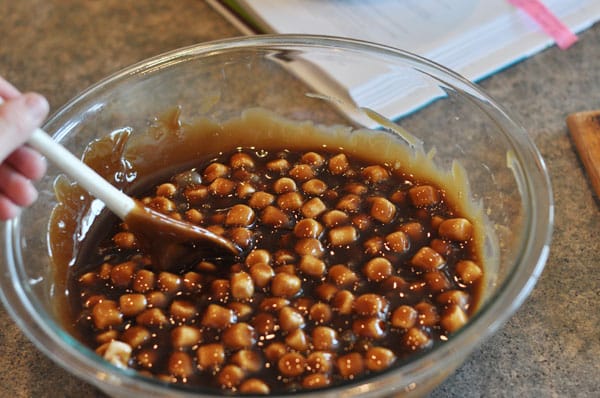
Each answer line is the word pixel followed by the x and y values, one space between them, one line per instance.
pixel 115 200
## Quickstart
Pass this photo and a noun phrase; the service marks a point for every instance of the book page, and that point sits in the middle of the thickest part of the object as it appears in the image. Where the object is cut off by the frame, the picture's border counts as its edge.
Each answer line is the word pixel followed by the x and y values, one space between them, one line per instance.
pixel 475 38
pixel 415 25
pixel 454 33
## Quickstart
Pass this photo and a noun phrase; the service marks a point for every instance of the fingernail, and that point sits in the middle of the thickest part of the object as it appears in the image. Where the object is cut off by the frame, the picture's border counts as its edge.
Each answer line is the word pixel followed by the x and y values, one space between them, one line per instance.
pixel 36 105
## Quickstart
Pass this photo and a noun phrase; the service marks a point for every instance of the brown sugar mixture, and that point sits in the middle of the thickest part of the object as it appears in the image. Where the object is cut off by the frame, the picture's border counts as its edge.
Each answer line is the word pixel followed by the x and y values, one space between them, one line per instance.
pixel 349 268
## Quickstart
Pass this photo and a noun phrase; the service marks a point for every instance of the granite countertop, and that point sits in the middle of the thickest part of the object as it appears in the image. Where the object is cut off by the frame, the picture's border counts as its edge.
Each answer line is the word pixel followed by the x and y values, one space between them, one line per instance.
pixel 549 348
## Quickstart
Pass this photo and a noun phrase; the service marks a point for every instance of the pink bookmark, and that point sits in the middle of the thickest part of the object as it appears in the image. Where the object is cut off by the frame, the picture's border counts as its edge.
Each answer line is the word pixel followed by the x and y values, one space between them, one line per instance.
pixel 548 21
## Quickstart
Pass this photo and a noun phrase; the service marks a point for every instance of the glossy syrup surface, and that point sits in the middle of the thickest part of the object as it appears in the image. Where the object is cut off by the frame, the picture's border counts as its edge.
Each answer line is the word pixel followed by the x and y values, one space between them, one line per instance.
pixel 348 269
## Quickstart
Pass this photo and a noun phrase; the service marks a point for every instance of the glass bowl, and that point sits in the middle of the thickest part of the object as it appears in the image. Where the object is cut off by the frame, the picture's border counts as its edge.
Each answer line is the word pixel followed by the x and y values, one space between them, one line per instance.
pixel 304 78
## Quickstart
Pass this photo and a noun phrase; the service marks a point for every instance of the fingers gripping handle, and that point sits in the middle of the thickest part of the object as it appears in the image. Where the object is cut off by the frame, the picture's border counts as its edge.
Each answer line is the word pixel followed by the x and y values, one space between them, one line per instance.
pixel 85 176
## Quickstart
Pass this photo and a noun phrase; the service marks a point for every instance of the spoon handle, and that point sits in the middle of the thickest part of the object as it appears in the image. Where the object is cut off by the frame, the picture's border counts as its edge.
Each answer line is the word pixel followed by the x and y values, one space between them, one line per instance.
pixel 115 200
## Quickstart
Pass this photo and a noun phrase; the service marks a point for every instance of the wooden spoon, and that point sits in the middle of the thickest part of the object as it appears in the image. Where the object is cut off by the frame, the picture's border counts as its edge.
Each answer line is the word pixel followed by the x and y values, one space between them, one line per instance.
pixel 171 243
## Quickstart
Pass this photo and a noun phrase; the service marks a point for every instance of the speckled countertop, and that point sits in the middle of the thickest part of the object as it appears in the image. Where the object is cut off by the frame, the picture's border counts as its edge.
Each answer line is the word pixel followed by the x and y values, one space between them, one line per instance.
pixel 550 348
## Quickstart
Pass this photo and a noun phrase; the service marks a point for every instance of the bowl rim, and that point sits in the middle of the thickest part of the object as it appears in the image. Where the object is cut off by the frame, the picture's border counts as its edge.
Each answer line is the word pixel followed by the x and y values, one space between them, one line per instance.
pixel 513 292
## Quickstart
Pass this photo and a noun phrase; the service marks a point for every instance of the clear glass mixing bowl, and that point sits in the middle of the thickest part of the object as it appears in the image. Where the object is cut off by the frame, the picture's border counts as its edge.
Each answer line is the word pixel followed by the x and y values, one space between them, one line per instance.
pixel 302 77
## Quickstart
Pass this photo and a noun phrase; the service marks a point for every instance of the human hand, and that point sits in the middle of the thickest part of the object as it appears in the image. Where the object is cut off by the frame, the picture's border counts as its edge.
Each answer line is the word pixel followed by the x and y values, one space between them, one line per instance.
pixel 20 165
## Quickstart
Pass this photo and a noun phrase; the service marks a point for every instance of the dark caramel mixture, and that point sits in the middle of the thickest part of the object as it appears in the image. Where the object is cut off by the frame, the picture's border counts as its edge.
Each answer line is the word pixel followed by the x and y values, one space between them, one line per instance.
pixel 349 268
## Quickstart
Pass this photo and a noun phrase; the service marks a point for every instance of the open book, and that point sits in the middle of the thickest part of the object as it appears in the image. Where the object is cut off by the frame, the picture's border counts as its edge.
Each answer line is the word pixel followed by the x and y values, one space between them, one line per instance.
pixel 475 38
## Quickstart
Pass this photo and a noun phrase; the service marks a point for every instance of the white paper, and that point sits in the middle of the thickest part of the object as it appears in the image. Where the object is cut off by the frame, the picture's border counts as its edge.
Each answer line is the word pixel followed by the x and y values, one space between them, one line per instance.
pixel 475 38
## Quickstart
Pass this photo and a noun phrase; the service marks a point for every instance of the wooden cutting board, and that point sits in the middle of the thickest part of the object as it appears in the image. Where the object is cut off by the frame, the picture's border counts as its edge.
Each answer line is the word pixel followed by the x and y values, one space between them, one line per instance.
pixel 585 130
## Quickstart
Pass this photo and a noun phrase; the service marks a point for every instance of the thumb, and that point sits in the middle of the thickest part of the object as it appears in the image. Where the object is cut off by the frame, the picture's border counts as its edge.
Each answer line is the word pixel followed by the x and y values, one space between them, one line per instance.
pixel 18 118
